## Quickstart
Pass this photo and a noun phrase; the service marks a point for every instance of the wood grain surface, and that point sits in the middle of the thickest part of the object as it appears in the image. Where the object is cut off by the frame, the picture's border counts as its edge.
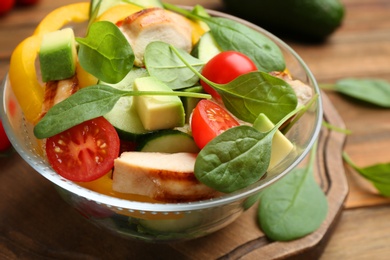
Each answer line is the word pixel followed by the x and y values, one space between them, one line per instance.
pixel 36 224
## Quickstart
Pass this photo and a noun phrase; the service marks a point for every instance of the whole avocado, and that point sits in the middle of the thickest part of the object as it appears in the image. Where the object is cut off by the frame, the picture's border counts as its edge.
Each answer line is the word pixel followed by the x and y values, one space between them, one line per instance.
pixel 311 19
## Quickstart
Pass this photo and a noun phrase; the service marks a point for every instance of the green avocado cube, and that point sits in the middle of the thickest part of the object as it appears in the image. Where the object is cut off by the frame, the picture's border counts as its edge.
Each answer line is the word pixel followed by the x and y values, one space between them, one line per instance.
pixel 58 55
pixel 157 111
pixel 281 146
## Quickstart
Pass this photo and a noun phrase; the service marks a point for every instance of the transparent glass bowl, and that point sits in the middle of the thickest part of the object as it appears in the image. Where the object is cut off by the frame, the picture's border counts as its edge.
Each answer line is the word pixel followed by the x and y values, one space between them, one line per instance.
pixel 170 222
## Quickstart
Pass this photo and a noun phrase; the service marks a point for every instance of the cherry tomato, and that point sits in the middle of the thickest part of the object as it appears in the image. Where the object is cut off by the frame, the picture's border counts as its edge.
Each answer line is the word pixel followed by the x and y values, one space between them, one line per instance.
pixel 6 5
pixel 224 67
pixel 209 120
pixel 84 152
pixel 5 144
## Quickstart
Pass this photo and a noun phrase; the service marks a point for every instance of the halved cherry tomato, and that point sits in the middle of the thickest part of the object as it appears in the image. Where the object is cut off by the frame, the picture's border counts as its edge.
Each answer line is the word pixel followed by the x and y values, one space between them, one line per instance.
pixel 4 142
pixel 209 120
pixel 84 152
pixel 224 67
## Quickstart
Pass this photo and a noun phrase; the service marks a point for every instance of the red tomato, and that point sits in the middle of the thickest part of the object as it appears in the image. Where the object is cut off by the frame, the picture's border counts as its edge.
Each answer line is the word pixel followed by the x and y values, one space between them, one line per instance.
pixel 4 142
pixel 84 152
pixel 6 5
pixel 224 67
pixel 209 120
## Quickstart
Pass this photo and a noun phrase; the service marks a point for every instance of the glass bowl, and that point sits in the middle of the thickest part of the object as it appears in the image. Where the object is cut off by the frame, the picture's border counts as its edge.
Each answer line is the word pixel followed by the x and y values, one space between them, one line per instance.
pixel 166 222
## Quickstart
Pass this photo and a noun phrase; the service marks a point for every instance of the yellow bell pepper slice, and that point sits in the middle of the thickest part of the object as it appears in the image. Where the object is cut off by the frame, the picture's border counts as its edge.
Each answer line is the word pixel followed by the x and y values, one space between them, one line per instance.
pixel 23 78
pixel 118 12
pixel 103 185
pixel 22 73
pixel 78 12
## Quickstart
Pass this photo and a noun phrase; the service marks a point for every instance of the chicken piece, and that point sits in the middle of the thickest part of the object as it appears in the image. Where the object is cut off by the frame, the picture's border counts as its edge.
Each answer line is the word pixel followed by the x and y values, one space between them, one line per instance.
pixel 156 24
pixel 58 90
pixel 303 91
pixel 160 176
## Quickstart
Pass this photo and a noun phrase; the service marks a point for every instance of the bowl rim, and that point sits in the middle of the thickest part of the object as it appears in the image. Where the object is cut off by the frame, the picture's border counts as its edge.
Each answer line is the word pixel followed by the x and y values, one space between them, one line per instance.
pixel 156 208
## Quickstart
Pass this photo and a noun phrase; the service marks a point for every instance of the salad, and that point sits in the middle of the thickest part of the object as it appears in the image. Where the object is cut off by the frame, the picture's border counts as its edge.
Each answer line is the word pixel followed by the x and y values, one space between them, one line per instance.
pixel 155 102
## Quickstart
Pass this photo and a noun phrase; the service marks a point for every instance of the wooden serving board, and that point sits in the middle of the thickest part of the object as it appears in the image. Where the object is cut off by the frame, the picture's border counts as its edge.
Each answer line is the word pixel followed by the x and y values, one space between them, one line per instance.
pixel 244 240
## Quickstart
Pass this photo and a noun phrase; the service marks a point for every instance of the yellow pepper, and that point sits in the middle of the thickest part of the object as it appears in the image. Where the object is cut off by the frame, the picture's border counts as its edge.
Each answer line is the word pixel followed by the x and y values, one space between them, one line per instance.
pixel 103 185
pixel 78 12
pixel 118 12
pixel 22 73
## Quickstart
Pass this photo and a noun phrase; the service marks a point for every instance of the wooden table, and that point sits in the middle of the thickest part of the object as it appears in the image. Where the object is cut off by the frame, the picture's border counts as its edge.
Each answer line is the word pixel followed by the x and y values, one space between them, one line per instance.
pixel 36 224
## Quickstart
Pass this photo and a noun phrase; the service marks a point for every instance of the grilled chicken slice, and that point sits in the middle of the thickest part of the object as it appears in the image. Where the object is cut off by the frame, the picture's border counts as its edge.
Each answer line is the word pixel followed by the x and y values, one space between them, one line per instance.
pixel 58 90
pixel 156 24
pixel 161 176
pixel 303 91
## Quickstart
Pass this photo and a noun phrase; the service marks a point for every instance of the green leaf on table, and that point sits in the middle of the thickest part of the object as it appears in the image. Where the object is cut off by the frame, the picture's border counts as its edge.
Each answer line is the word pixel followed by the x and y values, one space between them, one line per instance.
pixel 374 91
pixel 294 206
pixel 105 52
pixel 163 64
pixel 377 174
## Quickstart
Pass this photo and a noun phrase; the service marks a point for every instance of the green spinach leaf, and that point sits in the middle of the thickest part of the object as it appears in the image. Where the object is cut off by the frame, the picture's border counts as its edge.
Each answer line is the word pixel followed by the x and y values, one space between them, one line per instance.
pixel 374 91
pixel 105 52
pixel 161 63
pixel 253 93
pixel 235 159
pixel 377 174
pixel 232 35
pixel 294 206
pixel 85 104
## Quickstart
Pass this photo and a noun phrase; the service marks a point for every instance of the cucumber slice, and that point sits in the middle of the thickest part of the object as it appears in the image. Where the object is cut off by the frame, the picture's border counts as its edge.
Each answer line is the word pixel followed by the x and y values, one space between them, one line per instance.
pixel 189 103
pixel 124 116
pixel 168 141
pixel 125 119
pixel 206 48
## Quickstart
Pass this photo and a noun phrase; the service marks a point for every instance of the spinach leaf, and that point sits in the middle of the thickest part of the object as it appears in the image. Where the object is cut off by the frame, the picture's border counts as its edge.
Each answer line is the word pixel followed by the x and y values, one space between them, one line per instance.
pixel 377 174
pixel 374 91
pixel 294 206
pixel 105 52
pixel 85 104
pixel 163 64
pixel 253 93
pixel 236 158
pixel 89 103
pixel 257 92
pixel 232 35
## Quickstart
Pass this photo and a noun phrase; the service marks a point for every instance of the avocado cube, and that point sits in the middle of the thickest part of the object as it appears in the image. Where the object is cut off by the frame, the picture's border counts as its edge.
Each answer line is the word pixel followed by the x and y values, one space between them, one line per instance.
pixel 58 55
pixel 281 146
pixel 157 111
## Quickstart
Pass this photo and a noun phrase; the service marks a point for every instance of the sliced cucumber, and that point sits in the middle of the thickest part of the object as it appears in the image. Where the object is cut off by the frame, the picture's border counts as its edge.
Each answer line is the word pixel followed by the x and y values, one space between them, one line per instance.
pixel 206 48
pixel 168 141
pixel 189 103
pixel 124 116
pixel 125 119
